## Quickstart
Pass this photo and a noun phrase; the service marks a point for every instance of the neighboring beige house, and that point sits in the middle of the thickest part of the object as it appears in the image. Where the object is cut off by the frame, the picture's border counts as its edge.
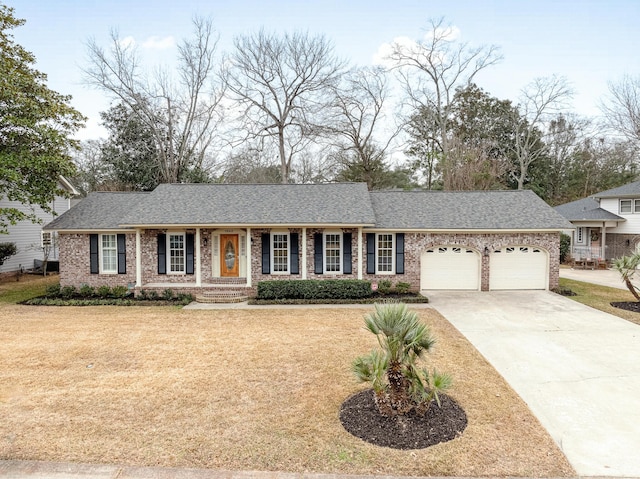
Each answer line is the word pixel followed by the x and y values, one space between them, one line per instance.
pixel 607 224
pixel 28 235
pixel 219 237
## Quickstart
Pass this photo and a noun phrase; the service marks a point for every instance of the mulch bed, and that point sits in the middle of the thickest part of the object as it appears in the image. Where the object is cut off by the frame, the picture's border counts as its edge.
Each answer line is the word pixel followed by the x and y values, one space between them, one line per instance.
pixel 627 305
pixel 360 416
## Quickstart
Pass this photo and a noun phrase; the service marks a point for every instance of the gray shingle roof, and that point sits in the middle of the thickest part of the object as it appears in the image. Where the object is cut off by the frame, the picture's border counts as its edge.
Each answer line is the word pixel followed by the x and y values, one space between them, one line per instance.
pixel 99 210
pixel 474 210
pixel 326 204
pixel 630 189
pixel 586 209
pixel 221 204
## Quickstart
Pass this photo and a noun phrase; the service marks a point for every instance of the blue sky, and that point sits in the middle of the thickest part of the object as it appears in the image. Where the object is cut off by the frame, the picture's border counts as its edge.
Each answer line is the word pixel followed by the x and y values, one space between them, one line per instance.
pixel 588 42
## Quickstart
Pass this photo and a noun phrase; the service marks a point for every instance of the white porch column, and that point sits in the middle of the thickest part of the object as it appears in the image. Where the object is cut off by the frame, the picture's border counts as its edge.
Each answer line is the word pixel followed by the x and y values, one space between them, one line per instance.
pixel 360 253
pixel 603 243
pixel 249 257
pixel 138 260
pixel 198 259
pixel 304 253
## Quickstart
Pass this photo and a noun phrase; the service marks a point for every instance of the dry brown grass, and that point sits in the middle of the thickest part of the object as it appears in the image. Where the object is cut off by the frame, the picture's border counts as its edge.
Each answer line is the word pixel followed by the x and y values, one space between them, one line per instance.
pixel 251 390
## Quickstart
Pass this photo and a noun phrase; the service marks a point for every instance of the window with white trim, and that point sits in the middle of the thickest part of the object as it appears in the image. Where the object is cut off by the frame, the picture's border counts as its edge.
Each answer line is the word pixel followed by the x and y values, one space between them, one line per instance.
pixel 625 206
pixel 384 252
pixel 108 254
pixel 280 252
pixel 333 252
pixel 176 256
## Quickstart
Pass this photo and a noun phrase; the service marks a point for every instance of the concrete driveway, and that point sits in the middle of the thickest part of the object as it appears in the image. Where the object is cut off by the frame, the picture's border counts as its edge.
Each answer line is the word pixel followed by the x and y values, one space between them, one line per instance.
pixel 603 277
pixel 577 369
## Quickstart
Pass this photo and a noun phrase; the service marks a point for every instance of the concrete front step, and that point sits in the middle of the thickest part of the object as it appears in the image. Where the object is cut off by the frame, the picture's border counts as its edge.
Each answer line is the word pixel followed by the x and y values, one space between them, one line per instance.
pixel 221 297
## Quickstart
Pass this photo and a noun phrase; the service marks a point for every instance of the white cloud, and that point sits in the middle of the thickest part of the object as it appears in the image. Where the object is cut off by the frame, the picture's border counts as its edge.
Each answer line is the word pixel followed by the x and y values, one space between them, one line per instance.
pixel 159 43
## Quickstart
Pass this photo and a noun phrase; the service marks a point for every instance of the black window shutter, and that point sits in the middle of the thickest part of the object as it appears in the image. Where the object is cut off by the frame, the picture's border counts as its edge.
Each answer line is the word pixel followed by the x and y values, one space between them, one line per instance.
pixel 293 254
pixel 122 254
pixel 266 253
pixel 162 254
pixel 399 253
pixel 93 254
pixel 346 255
pixel 190 252
pixel 317 253
pixel 371 253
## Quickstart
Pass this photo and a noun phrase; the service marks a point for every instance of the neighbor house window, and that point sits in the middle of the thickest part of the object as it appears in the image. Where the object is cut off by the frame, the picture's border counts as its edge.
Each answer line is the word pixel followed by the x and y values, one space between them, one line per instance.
pixel 177 255
pixel 636 206
pixel 280 252
pixel 109 254
pixel 333 252
pixel 384 253
pixel 625 206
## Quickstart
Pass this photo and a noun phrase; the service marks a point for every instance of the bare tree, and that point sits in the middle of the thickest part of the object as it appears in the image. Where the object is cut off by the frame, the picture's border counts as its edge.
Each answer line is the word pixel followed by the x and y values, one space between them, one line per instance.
pixel 357 125
pixel 433 68
pixel 540 101
pixel 181 110
pixel 281 85
pixel 622 107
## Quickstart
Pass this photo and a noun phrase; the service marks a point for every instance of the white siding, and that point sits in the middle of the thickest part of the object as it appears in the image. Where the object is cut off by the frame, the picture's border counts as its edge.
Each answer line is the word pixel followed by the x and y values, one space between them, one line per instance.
pixel 26 236
pixel 631 226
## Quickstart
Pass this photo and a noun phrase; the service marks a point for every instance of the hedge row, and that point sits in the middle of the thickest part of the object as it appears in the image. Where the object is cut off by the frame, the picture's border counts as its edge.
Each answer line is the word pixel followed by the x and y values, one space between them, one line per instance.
pixel 314 289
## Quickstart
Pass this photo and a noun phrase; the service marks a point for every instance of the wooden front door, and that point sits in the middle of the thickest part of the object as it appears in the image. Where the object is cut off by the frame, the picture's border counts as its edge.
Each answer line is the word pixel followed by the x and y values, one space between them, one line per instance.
pixel 229 258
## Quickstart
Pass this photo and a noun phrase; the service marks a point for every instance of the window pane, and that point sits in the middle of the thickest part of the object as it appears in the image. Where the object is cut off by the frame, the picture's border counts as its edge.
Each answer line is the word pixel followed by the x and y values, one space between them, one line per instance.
pixel 332 252
pixel 625 206
pixel 109 254
pixel 385 253
pixel 176 253
pixel 280 252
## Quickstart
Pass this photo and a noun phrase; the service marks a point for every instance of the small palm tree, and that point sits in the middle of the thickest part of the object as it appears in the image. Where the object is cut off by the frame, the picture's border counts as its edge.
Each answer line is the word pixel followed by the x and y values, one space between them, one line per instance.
pixel 399 384
pixel 627 267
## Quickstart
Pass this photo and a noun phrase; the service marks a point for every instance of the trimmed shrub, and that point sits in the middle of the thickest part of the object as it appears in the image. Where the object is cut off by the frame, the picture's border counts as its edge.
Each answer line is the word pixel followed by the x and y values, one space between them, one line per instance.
pixel 53 291
pixel 384 286
pixel 314 289
pixel 403 288
pixel 68 292
pixel 167 294
pixel 86 291
pixel 119 291
pixel 104 291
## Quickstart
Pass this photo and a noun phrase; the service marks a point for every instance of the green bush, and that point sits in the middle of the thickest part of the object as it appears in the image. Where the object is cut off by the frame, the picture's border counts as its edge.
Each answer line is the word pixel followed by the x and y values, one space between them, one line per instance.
pixel 87 291
pixel 314 289
pixel 384 286
pixel 565 247
pixel 403 288
pixel 53 291
pixel 167 294
pixel 119 291
pixel 68 292
pixel 142 294
pixel 104 291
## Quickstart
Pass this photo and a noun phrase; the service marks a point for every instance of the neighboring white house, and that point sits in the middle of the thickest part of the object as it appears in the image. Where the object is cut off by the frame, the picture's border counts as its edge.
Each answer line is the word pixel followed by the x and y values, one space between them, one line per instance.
pixel 607 224
pixel 28 236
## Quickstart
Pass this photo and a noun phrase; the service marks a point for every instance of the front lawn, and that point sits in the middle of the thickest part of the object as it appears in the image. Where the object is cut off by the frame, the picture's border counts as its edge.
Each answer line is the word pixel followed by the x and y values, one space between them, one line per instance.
pixel 600 297
pixel 236 390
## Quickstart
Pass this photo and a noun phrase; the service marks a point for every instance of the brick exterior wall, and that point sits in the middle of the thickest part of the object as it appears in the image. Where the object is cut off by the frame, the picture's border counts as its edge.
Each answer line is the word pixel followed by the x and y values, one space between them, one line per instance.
pixel 74 258
pixel 75 266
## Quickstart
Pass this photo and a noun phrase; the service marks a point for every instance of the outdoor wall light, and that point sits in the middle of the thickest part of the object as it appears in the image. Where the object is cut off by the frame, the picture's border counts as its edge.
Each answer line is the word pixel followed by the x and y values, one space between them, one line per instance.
pixel 486 251
pixel 205 241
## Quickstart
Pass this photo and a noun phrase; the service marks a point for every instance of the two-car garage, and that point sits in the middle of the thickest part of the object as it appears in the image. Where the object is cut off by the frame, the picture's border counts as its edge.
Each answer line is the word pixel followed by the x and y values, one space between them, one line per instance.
pixel 453 267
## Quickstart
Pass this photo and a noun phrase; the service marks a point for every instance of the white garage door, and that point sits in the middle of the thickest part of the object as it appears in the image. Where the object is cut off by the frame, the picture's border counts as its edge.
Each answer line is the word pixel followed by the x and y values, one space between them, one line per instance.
pixel 518 267
pixel 450 267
